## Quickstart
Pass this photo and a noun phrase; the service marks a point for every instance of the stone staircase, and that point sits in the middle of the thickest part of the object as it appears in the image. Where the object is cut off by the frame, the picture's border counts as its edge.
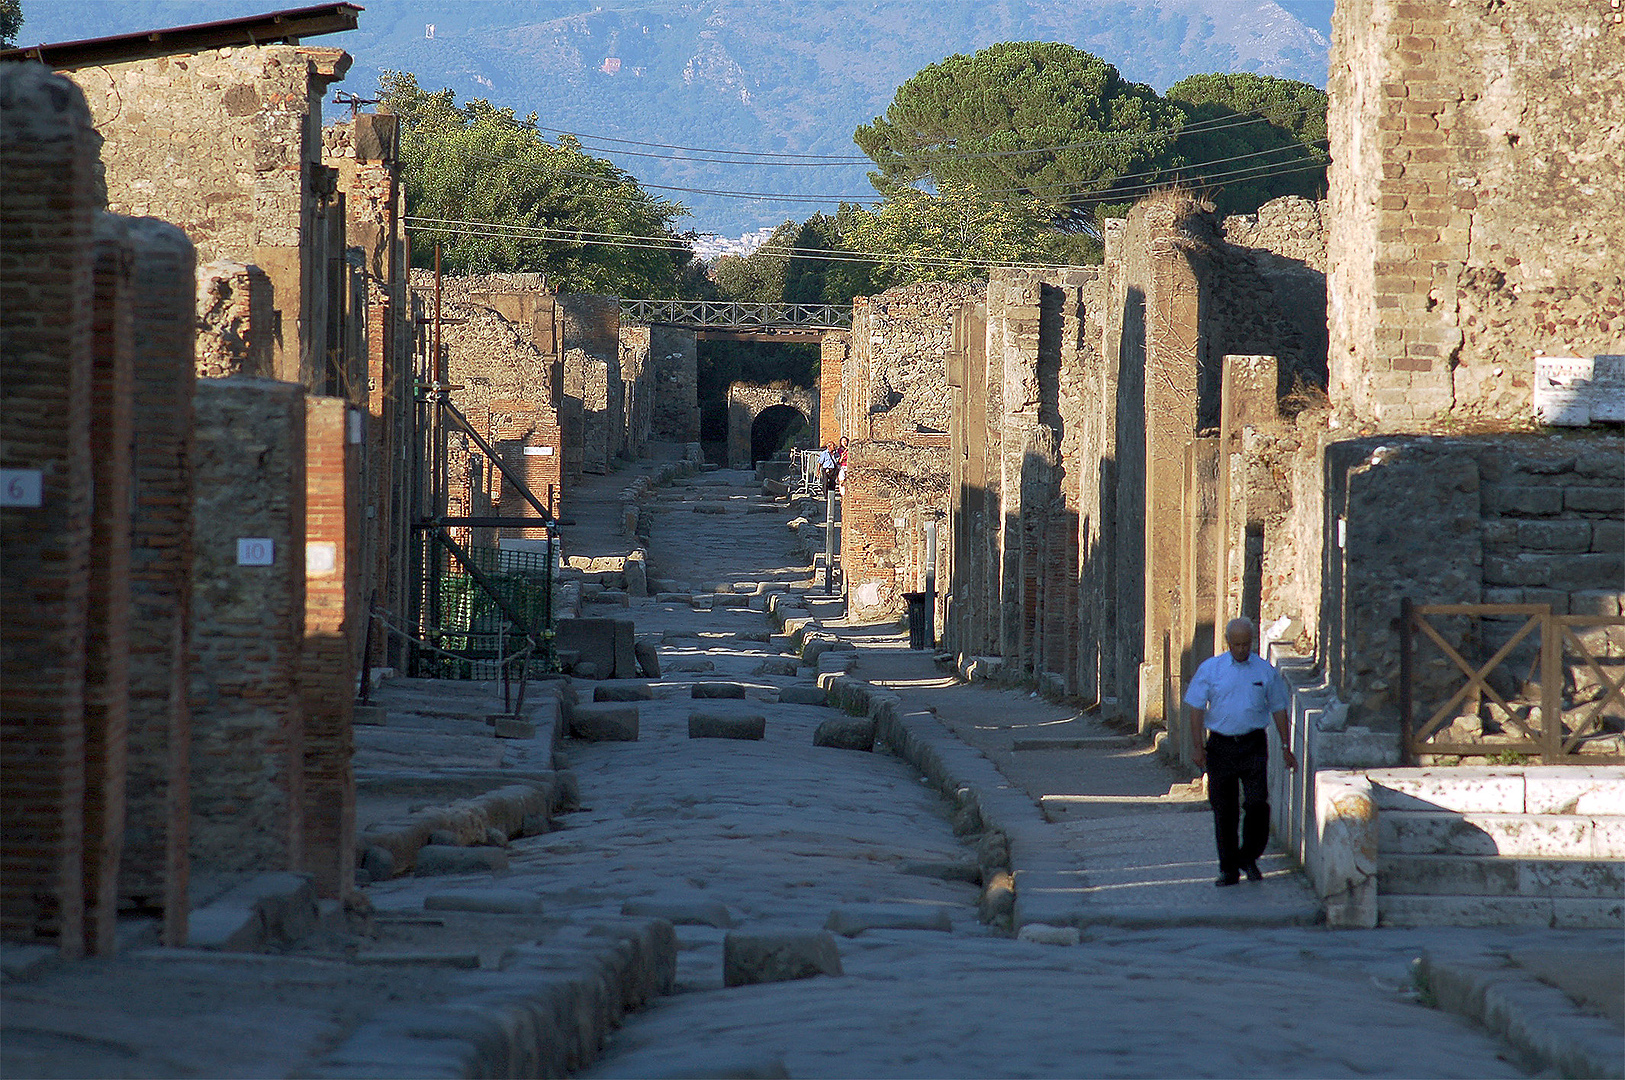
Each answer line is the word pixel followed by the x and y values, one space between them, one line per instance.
pixel 1516 846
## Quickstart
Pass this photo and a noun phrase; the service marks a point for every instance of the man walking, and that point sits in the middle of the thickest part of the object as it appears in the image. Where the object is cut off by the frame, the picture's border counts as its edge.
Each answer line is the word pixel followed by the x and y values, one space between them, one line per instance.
pixel 1232 699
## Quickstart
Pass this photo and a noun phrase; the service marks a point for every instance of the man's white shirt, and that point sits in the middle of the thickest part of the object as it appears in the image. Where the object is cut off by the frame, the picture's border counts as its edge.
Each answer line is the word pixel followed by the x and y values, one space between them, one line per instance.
pixel 1238 697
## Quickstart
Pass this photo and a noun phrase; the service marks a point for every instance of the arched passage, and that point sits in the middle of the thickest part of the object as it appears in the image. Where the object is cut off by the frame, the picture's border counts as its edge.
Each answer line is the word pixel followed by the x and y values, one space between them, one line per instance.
pixel 778 427
pixel 747 402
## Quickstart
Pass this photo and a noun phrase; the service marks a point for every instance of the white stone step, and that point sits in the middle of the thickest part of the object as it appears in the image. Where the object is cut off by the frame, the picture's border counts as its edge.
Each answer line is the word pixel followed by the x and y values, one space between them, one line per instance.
pixel 1547 836
pixel 1588 790
pixel 1556 912
pixel 1469 875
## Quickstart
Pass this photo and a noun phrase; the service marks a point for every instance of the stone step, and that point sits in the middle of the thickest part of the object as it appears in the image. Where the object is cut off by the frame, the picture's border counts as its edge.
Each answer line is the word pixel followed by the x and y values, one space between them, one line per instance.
pixel 1471 875
pixel 1549 836
pixel 1556 912
pixel 1589 790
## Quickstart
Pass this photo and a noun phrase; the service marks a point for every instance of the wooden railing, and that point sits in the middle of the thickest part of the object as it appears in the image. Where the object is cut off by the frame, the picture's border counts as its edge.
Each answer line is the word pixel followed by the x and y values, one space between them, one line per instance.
pixel 737 315
pixel 1555 710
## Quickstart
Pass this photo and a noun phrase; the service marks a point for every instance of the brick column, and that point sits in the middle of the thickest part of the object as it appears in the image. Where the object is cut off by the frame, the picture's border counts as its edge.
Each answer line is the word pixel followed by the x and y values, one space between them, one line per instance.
pixel 154 870
pixel 832 350
pixel 107 660
pixel 248 617
pixel 47 163
pixel 328 673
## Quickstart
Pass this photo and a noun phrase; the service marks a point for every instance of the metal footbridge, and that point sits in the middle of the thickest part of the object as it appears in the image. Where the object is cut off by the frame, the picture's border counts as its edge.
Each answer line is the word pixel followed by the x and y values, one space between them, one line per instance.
pixel 728 320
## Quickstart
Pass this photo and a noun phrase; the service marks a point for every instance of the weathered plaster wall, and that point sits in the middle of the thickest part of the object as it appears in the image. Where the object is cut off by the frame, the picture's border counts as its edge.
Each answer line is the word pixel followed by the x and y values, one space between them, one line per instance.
pixel 227 145
pixel 1475 191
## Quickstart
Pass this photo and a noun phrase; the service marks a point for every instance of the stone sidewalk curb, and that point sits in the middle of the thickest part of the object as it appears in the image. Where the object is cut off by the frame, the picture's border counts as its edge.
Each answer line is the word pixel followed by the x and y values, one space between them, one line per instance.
pixel 545 1013
pixel 1538 1020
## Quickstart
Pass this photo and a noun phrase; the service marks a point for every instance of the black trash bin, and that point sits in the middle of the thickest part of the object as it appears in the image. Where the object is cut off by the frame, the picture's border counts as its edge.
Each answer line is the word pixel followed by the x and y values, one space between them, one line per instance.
pixel 919 620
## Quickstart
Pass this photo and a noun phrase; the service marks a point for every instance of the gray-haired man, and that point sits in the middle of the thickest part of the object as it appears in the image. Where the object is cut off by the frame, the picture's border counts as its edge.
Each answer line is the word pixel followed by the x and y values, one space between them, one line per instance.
pixel 1232 698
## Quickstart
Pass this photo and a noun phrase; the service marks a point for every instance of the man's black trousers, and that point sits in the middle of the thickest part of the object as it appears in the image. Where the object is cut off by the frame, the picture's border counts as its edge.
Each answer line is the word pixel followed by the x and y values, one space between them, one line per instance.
pixel 1238 779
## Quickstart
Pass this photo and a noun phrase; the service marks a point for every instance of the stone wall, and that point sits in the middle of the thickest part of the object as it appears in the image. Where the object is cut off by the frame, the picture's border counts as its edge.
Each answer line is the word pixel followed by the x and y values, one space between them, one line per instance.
pixel 833 349
pixel 675 408
pixel 747 401
pixel 896 410
pixel 236 320
pixel 248 615
pixel 1475 190
pixel 227 145
pixel 590 331
pixel 47 170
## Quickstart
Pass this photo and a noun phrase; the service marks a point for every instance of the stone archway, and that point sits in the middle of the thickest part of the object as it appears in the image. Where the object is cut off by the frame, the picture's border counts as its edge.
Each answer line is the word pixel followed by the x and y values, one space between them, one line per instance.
pixel 747 401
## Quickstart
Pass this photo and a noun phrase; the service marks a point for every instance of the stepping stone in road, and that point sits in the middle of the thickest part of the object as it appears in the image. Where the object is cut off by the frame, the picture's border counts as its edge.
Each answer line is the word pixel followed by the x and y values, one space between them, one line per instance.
pixel 846 733
pixel 803 695
pixel 673 598
pixel 758 636
pixel 781 957
pixel 648 657
pixel 691 664
pixel 681 912
pixel 726 726
pixel 777 666
pixel 486 901
pixel 433 859
pixel 623 692
pixel 717 690
pixel 606 722
pixel 855 919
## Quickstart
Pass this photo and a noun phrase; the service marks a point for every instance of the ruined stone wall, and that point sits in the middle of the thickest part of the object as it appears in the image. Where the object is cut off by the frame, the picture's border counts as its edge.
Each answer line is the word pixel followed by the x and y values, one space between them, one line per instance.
pixel 236 320
pixel 248 614
pixel 637 390
pixel 675 408
pixel 47 170
pixel 833 348
pixel 1475 192
pixel 895 409
pixel 747 401
pixel 227 145
pixel 590 331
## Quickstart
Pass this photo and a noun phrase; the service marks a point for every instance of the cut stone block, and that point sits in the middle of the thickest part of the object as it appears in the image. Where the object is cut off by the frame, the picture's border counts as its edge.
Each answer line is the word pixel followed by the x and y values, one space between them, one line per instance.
pixel 434 859
pixel 846 733
pixel 836 663
pixel 761 637
pixel 486 901
pixel 776 665
pixel 853 920
pixel 681 912
pixel 724 726
pixel 603 645
pixel 648 658
pixel 371 715
pixel 781 957
pixel 604 722
pixel 623 692
pixel 512 727
pixel 803 695
pixel 717 690
pixel 673 598
pixel 1045 934
pixel 691 664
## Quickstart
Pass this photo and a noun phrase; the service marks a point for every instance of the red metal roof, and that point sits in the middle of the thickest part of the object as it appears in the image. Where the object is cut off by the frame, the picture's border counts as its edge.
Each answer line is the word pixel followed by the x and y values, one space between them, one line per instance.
pixel 268 29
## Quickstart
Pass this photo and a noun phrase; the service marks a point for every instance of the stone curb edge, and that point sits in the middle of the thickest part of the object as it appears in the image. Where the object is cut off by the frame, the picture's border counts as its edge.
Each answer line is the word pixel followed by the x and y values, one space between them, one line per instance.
pixel 537 1016
pixel 1538 1020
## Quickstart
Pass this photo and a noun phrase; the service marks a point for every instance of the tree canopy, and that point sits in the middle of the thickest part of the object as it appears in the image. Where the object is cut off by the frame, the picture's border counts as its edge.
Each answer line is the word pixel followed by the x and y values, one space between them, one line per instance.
pixel 551 209
pixel 1047 125
pixel 11 22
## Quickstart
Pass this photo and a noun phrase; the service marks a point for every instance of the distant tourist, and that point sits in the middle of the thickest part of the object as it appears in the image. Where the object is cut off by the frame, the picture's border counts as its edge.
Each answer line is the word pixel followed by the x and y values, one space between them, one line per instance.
pixel 829 466
pixel 840 467
pixel 1232 698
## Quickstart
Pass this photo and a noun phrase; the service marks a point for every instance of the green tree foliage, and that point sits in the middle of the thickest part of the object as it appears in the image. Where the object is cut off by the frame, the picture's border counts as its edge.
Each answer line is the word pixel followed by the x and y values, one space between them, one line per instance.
pixel 1028 121
pixel 1251 138
pixel 479 163
pixel 11 22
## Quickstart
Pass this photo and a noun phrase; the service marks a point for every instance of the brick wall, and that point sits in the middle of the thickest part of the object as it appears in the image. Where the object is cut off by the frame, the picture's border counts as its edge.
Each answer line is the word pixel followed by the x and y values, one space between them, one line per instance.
pixel 327 675
pixel 247 752
pixel 226 144
pixel 154 871
pixel 47 165
pixel 832 350
pixel 1475 196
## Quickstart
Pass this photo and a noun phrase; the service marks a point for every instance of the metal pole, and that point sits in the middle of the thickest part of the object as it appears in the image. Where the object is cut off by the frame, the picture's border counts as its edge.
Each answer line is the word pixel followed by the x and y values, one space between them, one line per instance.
pixel 829 542
pixel 931 584
pixel 1407 721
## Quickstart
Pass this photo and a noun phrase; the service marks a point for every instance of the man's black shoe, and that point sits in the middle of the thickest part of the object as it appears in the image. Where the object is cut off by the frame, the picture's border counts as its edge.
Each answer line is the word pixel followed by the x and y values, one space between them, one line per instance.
pixel 1224 881
pixel 1253 872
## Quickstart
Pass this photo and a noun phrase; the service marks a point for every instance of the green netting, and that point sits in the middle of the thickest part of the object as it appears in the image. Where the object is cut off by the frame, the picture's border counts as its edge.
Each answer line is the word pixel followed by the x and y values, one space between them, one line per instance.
pixel 473 623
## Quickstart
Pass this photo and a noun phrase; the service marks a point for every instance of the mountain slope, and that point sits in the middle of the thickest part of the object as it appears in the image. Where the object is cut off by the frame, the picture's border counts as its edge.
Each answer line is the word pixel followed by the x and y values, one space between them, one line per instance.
pixel 773 76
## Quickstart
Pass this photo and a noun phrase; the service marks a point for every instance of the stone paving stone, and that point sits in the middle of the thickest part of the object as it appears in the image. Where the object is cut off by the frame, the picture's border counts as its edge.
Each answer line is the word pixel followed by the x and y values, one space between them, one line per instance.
pixel 803 695
pixel 853 920
pixel 436 859
pixel 846 733
pixel 486 901
pixel 681 912
pixel 622 692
